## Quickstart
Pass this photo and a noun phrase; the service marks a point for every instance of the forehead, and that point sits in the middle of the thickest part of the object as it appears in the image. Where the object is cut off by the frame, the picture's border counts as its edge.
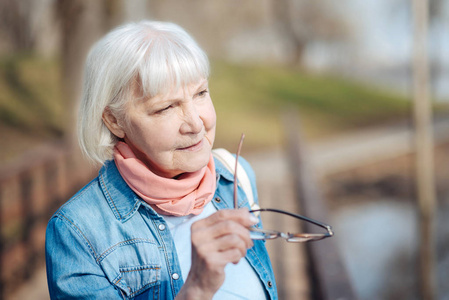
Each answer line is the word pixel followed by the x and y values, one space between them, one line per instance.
pixel 173 93
pixel 185 89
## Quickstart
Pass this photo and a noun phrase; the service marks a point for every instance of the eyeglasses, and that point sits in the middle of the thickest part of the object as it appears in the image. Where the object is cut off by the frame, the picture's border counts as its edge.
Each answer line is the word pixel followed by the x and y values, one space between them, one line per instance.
pixel 263 234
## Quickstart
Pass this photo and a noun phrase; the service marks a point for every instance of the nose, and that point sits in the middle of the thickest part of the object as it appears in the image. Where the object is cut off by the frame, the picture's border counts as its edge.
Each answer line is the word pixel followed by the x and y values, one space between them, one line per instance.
pixel 192 122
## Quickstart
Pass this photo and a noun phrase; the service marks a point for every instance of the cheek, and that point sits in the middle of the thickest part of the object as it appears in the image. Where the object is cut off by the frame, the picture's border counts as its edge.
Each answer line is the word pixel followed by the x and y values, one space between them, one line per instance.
pixel 209 117
pixel 150 136
pixel 210 120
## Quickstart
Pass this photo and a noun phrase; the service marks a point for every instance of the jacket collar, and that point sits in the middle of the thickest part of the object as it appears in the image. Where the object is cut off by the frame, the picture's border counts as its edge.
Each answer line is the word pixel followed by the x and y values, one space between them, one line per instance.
pixel 122 200
pixel 222 171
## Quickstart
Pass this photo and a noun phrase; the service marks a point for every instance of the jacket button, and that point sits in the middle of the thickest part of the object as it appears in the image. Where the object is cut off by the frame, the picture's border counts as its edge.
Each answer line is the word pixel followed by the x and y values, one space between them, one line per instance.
pixel 270 284
pixel 218 200
pixel 161 227
pixel 175 276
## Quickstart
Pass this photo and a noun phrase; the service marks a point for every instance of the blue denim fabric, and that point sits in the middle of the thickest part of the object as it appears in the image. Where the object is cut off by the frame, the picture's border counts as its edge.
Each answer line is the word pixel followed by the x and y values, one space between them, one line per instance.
pixel 106 243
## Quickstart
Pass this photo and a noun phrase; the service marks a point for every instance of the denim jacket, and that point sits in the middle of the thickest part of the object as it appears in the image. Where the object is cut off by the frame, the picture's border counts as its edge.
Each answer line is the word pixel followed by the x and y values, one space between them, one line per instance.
pixel 107 243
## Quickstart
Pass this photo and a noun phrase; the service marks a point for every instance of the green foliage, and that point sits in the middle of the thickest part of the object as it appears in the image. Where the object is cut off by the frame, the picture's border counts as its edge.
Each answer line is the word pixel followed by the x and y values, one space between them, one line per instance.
pixel 31 98
pixel 248 99
pixel 251 99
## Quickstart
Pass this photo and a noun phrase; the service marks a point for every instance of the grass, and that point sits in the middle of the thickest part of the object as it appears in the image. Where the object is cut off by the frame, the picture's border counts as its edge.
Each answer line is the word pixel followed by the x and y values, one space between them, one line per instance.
pixel 248 99
pixel 251 99
pixel 31 98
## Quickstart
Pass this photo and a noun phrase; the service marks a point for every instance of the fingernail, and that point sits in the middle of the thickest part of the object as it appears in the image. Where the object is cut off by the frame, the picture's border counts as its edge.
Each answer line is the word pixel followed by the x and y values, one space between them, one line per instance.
pixel 253 219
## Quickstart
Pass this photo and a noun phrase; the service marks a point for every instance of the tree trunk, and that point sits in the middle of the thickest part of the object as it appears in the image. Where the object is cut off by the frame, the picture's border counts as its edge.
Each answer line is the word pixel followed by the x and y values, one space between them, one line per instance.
pixel 424 151
pixel 82 23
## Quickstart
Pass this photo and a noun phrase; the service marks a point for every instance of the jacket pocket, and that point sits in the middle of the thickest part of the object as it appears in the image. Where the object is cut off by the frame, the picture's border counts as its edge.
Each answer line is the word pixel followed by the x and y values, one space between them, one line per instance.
pixel 134 268
pixel 135 280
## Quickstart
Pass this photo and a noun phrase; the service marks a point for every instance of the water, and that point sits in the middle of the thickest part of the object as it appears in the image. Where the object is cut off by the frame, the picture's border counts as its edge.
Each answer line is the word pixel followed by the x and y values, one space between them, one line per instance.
pixel 378 243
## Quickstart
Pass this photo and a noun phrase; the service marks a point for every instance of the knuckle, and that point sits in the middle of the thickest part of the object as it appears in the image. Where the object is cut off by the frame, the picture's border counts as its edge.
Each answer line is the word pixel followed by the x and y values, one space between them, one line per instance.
pixel 194 239
pixel 223 214
pixel 195 226
pixel 244 210
pixel 228 225
pixel 237 243
pixel 195 235
pixel 193 230
pixel 242 246
pixel 233 239
pixel 231 227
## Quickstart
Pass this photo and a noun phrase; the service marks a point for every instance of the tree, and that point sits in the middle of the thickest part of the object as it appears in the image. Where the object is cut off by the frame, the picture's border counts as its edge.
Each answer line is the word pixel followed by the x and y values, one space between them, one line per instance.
pixel 82 23
pixel 15 19
pixel 303 21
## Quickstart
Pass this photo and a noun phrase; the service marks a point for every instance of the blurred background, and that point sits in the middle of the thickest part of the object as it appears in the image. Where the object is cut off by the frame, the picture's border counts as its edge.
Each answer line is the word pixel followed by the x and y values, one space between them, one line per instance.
pixel 344 69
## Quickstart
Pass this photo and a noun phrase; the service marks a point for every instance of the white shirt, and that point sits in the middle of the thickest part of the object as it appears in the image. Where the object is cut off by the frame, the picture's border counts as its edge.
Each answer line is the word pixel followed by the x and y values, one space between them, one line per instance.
pixel 241 281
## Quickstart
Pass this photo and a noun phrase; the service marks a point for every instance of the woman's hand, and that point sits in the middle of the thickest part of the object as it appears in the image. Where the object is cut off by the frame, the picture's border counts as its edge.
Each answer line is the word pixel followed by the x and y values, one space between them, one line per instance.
pixel 217 240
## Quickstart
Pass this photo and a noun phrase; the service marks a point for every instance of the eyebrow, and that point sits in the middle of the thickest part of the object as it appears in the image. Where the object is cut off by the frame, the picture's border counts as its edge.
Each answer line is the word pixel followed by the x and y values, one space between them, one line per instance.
pixel 203 84
pixel 162 100
pixel 161 103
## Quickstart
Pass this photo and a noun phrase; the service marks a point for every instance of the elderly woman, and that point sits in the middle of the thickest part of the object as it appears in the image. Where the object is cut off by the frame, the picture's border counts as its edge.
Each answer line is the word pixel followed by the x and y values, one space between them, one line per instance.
pixel 146 227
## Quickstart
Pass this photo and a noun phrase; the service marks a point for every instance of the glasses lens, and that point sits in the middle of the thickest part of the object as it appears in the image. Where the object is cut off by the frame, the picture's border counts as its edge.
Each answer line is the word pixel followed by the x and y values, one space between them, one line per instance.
pixel 277 224
pixel 304 237
pixel 261 234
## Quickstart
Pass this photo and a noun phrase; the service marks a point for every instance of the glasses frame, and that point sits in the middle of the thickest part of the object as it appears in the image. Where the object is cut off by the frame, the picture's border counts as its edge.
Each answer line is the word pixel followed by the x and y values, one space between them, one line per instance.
pixel 270 234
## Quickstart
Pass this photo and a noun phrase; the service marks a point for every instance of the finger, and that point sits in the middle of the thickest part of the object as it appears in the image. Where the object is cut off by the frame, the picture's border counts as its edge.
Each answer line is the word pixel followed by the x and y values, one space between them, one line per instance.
pixel 217 261
pixel 241 216
pixel 233 241
pixel 231 228
pixel 230 256
pixel 208 234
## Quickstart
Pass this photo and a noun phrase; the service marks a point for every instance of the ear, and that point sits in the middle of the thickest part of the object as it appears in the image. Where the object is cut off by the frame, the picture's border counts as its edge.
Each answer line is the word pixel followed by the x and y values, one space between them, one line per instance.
pixel 112 123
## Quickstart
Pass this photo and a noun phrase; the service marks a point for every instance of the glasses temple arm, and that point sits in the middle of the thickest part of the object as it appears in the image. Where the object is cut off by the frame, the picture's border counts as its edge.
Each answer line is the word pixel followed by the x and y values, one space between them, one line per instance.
pixel 236 205
pixel 322 225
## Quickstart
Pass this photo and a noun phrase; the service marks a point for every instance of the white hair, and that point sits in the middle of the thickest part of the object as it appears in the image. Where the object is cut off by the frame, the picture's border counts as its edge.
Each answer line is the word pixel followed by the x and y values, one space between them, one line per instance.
pixel 158 56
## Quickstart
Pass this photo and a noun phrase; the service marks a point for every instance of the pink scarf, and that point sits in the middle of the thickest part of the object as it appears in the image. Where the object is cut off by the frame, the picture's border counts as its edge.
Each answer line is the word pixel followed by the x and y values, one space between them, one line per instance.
pixel 178 197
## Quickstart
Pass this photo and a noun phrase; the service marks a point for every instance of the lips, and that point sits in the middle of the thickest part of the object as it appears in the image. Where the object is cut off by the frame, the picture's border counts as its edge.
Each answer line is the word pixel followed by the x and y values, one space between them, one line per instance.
pixel 193 147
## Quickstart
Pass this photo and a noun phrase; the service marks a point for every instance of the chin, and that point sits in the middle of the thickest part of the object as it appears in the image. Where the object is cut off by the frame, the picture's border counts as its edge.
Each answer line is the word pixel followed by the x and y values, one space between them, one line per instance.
pixel 198 161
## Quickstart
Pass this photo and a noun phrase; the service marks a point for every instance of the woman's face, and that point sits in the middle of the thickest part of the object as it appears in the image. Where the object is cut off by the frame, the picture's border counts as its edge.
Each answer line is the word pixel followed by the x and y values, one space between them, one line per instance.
pixel 173 133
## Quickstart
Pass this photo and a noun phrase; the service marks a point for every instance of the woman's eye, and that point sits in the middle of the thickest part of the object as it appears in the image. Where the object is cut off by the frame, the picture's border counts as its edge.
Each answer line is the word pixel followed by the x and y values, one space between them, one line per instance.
pixel 202 93
pixel 164 109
